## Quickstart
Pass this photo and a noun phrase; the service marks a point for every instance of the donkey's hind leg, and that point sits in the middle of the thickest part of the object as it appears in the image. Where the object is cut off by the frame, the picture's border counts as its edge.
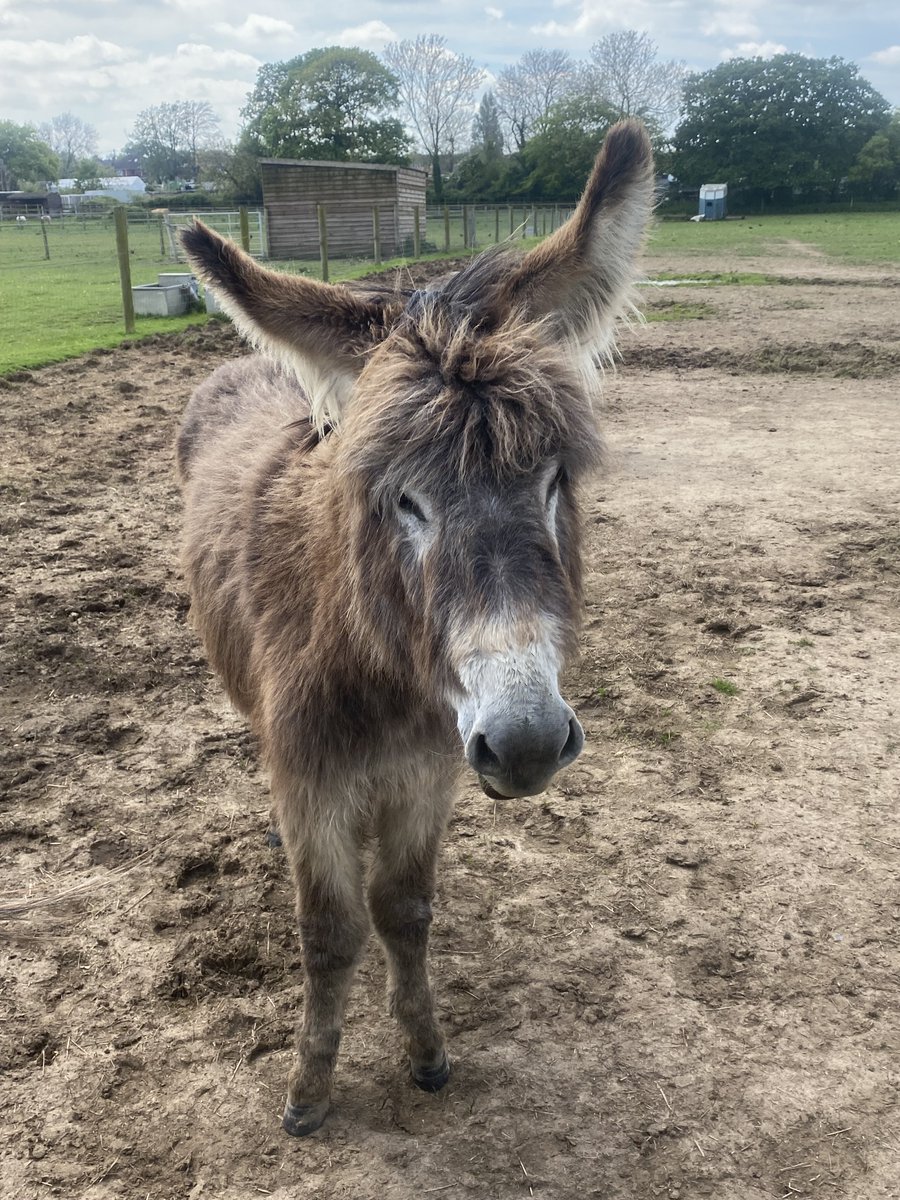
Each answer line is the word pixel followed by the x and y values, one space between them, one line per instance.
pixel 325 859
pixel 409 828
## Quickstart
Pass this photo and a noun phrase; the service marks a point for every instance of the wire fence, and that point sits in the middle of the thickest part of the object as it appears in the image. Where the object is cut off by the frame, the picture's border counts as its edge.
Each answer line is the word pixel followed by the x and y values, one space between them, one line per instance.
pixel 61 277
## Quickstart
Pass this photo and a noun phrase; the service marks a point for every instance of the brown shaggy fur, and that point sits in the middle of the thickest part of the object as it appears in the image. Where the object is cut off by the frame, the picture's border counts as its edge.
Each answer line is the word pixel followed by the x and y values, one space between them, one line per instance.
pixel 331 627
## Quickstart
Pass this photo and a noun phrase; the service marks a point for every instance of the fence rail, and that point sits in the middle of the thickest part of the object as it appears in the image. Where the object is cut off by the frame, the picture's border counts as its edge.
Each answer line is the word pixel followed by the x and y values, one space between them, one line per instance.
pixel 68 272
pixel 336 232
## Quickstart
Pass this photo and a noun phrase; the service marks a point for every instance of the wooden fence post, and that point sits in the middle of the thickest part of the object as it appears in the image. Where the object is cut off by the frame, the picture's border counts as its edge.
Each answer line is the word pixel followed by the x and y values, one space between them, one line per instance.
pixel 245 227
pixel 323 240
pixel 511 226
pixel 376 233
pixel 44 232
pixel 417 231
pixel 447 227
pixel 496 224
pixel 121 218
pixel 465 216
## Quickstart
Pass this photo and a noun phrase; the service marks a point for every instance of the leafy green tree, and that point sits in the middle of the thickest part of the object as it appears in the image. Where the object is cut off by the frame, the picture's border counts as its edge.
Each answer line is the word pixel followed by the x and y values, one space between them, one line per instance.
pixel 787 121
pixel 876 171
pixel 558 160
pixel 87 173
pixel 232 171
pixel 24 158
pixel 330 103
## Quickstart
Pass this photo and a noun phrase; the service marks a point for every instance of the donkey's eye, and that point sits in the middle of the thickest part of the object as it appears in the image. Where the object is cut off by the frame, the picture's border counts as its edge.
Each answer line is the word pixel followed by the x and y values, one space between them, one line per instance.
pixel 409 507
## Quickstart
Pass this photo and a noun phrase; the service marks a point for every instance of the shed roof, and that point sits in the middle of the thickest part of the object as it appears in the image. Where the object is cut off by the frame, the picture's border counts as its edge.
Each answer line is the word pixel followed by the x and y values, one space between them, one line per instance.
pixel 344 166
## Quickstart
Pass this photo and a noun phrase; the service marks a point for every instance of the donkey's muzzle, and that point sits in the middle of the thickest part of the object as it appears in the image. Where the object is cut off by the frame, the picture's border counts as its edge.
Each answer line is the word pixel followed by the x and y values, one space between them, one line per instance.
pixel 520 758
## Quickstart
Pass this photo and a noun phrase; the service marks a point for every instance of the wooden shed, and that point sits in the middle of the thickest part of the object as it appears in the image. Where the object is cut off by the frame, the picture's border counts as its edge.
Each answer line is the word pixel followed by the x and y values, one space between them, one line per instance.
pixel 292 188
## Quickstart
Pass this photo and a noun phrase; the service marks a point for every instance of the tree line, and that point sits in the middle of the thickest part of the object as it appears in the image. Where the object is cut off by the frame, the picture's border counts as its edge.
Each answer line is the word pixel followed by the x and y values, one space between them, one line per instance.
pixel 775 126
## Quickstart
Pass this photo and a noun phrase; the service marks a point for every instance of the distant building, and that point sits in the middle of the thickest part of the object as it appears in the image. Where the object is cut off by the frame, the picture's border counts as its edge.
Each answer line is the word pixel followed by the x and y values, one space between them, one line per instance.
pixel 117 187
pixel 292 189
pixel 712 201
pixel 34 204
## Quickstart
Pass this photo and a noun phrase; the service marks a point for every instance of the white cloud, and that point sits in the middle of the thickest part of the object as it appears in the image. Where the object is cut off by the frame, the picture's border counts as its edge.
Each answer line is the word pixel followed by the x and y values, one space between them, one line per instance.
pixel 731 18
pixel 889 57
pixel 85 51
pixel 371 35
pixel 755 50
pixel 597 17
pixel 495 14
pixel 255 27
pixel 200 57
pixel 9 19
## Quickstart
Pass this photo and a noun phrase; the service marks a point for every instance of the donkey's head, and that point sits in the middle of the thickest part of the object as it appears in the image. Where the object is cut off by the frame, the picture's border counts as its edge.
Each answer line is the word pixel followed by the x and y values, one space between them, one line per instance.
pixel 463 424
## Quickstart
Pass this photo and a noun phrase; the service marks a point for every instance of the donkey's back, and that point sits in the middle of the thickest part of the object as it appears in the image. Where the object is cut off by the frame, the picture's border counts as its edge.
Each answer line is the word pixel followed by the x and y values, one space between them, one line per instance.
pixel 234 415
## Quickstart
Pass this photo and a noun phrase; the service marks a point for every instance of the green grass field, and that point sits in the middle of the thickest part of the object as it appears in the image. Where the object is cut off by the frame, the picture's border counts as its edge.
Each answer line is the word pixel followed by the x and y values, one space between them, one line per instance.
pixel 58 308
pixel 859 238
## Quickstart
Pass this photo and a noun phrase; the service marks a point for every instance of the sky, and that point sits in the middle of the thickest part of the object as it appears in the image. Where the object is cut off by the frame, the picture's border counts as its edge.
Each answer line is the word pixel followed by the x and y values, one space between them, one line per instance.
pixel 105 60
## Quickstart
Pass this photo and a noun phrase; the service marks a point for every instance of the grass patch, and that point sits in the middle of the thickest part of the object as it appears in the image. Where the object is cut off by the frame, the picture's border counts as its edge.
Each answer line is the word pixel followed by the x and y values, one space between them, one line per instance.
pixel 57 308
pixel 665 737
pixel 861 238
pixel 724 686
pixel 676 310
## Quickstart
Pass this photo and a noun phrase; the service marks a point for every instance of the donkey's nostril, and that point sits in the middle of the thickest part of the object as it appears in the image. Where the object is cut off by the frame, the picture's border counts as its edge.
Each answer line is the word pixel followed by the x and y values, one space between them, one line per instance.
pixel 482 757
pixel 574 743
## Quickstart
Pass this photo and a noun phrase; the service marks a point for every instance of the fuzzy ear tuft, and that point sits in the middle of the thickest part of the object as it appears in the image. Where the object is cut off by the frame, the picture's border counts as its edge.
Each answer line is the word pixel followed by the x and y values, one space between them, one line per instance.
pixel 580 278
pixel 324 331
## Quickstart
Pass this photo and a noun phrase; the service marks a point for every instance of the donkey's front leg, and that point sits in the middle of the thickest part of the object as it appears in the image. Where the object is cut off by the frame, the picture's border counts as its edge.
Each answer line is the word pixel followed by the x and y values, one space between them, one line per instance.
pixel 324 854
pixel 400 894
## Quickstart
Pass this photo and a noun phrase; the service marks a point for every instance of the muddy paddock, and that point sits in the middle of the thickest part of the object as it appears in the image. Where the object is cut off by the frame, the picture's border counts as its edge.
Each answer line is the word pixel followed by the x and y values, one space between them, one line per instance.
pixel 674 975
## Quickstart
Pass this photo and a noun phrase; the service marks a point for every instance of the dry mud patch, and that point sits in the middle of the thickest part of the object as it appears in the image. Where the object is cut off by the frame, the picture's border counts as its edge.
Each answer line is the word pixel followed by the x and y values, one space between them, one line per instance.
pixel 675 975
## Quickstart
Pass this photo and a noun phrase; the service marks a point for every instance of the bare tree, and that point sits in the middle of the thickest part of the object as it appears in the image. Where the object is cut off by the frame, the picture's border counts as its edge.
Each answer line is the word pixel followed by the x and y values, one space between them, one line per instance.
pixel 70 138
pixel 437 93
pixel 167 137
pixel 199 128
pixel 633 81
pixel 527 91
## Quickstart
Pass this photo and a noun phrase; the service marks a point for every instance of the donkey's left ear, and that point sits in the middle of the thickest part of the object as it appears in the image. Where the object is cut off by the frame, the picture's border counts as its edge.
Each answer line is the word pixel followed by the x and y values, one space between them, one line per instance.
pixel 581 276
pixel 323 330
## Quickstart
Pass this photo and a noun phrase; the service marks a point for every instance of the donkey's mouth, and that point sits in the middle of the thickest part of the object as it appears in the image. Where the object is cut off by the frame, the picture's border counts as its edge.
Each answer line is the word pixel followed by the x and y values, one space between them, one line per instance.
pixel 490 791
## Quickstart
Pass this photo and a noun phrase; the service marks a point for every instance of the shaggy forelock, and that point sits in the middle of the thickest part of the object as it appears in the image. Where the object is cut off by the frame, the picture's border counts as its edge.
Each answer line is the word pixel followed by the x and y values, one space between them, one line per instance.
pixel 452 393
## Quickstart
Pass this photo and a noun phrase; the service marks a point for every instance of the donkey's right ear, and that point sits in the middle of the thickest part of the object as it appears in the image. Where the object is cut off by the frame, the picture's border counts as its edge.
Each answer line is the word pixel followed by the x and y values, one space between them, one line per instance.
pixel 322 330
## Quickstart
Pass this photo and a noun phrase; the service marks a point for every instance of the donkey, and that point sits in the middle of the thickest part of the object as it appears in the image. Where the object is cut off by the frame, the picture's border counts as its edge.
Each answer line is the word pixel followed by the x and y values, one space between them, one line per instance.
pixel 385 569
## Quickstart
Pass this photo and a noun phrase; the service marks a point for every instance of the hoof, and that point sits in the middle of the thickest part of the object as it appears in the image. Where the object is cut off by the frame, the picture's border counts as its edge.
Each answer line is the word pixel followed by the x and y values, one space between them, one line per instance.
pixel 273 838
pixel 431 1079
pixel 301 1119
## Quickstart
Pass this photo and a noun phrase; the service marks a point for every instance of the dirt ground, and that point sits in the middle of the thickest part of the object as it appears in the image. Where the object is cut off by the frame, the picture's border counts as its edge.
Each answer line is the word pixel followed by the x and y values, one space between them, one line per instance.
pixel 675 975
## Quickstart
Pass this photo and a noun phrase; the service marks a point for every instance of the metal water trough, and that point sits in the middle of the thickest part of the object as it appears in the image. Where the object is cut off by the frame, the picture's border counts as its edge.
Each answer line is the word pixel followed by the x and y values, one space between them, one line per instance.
pixel 151 300
pixel 171 295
